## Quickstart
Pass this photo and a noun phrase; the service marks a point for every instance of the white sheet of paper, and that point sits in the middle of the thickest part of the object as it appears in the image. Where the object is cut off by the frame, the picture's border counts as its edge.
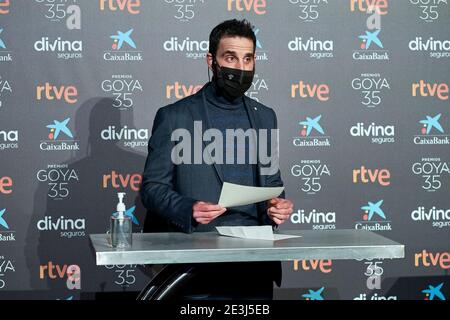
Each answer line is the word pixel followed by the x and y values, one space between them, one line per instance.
pixel 253 232
pixel 233 195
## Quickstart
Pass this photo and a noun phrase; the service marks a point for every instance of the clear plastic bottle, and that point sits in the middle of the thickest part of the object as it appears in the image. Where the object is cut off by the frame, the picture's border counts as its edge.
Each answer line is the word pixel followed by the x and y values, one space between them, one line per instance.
pixel 121 226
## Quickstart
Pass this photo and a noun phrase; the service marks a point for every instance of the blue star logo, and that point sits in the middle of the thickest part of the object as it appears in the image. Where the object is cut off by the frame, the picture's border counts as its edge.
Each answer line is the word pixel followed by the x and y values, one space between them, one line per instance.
pixel 314 295
pixel 2 220
pixel 122 37
pixel 431 292
pixel 130 213
pixel 370 37
pixel 58 127
pixel 2 44
pixel 258 43
pixel 312 124
pixel 374 208
pixel 432 122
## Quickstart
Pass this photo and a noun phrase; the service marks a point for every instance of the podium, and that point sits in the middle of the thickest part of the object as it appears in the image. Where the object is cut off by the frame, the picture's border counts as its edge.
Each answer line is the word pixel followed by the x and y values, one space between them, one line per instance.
pixel 178 251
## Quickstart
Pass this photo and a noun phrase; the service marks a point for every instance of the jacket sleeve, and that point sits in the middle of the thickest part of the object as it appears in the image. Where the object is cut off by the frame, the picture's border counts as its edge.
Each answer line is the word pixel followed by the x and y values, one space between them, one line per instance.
pixel 157 191
pixel 273 180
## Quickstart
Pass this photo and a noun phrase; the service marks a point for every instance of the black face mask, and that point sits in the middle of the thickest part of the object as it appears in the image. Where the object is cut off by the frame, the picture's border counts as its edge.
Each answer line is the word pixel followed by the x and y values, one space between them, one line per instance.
pixel 233 83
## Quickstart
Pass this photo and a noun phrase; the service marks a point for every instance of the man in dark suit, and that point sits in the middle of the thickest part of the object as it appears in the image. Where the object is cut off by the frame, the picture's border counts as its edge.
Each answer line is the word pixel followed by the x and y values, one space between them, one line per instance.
pixel 182 196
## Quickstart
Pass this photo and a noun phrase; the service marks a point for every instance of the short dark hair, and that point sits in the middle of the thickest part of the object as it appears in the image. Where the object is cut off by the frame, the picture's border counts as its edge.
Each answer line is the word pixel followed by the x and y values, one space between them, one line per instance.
pixel 231 28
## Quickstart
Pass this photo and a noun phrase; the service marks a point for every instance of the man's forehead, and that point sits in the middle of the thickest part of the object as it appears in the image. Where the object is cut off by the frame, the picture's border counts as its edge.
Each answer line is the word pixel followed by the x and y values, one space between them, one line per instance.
pixel 239 44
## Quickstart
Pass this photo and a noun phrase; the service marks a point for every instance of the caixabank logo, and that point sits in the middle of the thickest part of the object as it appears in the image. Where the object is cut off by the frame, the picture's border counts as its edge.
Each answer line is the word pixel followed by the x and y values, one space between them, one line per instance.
pixel 59 179
pixel 309 10
pixel 372 87
pixel 261 53
pixel 310 174
pixel 373 217
pixel 312 294
pixel 434 48
pixel 315 219
pixel 429 10
pixel 123 47
pixel 186 10
pixel 431 131
pixel 434 173
pixel 371 47
pixel 311 134
pixel 59 137
pixel 436 217
pixel 5 54
pixel 434 292
pixel 9 139
pixel 67 12
pixel 124 88
pixel 6 232
pixel 5 91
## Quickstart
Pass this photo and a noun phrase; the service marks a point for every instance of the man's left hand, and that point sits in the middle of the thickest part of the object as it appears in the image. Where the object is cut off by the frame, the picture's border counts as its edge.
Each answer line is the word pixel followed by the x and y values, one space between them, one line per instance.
pixel 279 209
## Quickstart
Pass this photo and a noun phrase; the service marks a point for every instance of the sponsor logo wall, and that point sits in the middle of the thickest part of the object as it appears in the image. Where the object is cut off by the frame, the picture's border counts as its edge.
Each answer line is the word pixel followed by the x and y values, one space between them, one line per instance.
pixel 360 88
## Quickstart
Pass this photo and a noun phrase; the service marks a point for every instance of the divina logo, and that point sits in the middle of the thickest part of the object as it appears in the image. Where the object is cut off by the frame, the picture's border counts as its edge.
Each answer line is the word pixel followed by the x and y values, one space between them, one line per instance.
pixel 371 86
pixel 130 137
pixel 59 129
pixel 311 173
pixel 432 171
pixel 9 139
pixel 64 49
pixel 379 134
pixel 436 48
pixel 312 48
pixel 6 234
pixel 5 56
pixel 194 49
pixel 311 125
pixel 440 218
pixel 373 218
pixel 431 125
pixel 121 41
pixel 67 227
pixel 317 219
pixel 433 292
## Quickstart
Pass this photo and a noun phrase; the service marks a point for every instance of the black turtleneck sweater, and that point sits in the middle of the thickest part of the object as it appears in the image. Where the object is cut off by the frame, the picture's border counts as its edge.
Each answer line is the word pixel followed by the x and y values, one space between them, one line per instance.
pixel 224 114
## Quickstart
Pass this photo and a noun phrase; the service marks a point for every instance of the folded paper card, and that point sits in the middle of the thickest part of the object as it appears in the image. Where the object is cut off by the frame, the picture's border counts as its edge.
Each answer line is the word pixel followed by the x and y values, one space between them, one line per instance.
pixel 233 195
pixel 253 232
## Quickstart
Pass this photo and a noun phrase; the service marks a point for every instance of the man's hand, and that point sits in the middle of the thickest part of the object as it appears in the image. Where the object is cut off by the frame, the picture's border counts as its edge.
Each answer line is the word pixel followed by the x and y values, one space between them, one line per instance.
pixel 279 209
pixel 205 212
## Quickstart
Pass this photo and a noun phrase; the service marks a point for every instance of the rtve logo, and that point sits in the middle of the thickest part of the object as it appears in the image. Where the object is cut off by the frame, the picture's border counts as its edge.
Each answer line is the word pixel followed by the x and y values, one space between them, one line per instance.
pixel 429 259
pixel 47 91
pixel 6 184
pixel 257 6
pixel 380 176
pixel 179 90
pixel 132 6
pixel 72 273
pixel 369 6
pixel 424 89
pixel 118 180
pixel 4 6
pixel 305 90
pixel 324 265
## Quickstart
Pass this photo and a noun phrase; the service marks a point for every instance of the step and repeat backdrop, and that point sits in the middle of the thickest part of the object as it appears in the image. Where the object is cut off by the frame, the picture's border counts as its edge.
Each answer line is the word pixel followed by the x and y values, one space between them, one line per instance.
pixel 360 88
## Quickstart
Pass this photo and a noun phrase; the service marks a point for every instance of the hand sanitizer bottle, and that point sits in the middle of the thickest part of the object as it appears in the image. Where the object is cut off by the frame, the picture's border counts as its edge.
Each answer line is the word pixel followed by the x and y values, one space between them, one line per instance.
pixel 121 226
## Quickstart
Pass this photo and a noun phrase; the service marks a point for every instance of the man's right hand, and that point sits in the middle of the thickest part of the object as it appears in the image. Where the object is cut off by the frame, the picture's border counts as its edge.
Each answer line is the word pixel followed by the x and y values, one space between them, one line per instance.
pixel 205 212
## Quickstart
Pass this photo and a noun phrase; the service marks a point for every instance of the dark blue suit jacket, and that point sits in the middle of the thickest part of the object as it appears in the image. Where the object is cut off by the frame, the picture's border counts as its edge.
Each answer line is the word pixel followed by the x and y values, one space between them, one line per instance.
pixel 169 191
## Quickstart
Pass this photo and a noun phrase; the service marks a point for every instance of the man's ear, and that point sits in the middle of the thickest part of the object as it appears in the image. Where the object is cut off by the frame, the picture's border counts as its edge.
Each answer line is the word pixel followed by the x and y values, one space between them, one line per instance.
pixel 209 60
